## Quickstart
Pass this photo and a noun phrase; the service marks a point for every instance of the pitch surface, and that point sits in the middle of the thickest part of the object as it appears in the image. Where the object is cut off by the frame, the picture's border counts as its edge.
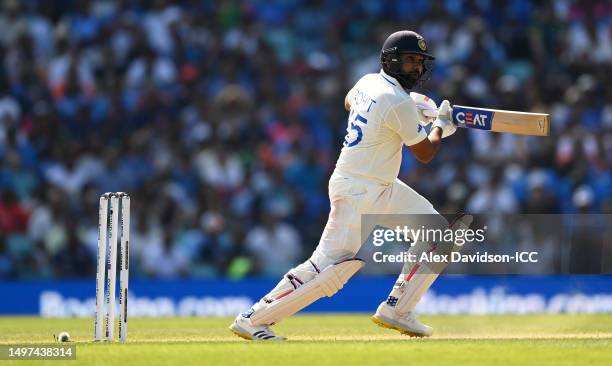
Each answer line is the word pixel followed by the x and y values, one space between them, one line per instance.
pixel 333 340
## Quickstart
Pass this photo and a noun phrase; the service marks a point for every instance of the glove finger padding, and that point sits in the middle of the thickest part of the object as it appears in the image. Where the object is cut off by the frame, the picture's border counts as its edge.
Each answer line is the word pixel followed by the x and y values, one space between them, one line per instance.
pixel 448 128
pixel 426 108
pixel 444 110
pixel 444 121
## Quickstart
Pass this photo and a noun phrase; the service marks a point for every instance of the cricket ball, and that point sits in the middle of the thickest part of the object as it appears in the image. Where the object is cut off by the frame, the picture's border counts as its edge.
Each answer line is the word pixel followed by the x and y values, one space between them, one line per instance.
pixel 63 337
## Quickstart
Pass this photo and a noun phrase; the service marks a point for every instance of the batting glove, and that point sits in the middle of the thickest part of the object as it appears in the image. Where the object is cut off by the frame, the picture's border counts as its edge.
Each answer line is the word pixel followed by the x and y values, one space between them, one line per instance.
pixel 444 120
pixel 426 108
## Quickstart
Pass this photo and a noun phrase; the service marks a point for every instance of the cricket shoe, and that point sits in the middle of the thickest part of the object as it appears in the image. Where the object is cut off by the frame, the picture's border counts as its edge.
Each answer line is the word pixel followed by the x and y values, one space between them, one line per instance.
pixel 243 328
pixel 407 324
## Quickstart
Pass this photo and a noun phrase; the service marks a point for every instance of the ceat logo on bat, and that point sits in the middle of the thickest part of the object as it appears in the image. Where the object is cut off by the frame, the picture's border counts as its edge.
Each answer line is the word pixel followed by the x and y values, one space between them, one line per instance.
pixel 472 118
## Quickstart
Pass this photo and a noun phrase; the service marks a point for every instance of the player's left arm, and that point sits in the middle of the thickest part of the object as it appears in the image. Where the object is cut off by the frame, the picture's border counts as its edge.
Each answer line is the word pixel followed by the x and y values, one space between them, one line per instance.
pixel 347 99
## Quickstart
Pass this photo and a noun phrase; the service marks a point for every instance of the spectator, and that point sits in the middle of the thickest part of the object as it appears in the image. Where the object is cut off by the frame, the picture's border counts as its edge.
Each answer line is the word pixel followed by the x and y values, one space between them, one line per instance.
pixel 13 216
pixel 214 115
pixel 273 245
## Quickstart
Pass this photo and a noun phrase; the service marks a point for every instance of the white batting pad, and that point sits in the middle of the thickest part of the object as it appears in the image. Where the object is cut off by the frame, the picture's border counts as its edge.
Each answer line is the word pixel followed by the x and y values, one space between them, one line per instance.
pixel 326 283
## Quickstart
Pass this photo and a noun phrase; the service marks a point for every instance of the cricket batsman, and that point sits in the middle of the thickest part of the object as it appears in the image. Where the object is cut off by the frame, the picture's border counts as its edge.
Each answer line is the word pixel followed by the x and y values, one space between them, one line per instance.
pixel 383 117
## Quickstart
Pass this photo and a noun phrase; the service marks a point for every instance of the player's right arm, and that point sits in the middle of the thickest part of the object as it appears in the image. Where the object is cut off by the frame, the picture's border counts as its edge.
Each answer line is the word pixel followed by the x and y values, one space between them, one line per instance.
pixel 442 127
pixel 425 150
pixel 404 121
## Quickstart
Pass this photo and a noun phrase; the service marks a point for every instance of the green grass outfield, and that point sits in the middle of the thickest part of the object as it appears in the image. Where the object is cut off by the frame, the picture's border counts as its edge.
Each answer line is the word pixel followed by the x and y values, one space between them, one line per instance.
pixel 333 340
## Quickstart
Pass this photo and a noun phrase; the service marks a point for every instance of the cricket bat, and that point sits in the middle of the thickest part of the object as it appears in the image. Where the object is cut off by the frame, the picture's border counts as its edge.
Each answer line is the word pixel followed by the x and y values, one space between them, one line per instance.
pixel 497 120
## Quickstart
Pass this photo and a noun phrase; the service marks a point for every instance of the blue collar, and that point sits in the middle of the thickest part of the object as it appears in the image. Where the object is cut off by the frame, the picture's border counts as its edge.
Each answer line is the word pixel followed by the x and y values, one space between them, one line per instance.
pixel 391 80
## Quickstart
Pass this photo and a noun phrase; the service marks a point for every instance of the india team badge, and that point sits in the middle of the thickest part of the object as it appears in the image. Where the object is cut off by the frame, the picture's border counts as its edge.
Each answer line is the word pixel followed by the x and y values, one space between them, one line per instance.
pixel 422 44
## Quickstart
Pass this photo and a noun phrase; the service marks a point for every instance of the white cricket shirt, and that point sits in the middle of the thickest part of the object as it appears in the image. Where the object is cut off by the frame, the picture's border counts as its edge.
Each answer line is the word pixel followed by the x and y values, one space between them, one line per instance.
pixel 382 119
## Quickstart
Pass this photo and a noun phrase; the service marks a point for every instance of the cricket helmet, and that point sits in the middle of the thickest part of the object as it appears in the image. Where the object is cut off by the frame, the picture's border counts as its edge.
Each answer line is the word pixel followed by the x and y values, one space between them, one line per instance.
pixel 405 42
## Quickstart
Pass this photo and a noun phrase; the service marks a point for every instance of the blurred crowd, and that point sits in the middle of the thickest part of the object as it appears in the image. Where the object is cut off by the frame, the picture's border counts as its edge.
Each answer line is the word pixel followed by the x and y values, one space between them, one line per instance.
pixel 223 120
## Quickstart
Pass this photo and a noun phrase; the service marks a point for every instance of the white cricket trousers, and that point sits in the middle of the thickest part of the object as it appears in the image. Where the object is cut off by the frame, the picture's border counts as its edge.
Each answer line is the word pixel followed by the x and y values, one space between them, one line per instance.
pixel 352 197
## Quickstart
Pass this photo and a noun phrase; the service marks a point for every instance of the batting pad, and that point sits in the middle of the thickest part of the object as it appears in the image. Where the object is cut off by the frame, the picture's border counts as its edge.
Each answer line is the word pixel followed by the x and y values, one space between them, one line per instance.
pixel 326 283
pixel 417 278
pixel 414 289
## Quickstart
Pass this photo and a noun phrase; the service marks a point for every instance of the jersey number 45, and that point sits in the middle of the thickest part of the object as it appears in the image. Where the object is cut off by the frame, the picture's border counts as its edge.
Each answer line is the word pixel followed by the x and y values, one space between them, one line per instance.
pixel 354 133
